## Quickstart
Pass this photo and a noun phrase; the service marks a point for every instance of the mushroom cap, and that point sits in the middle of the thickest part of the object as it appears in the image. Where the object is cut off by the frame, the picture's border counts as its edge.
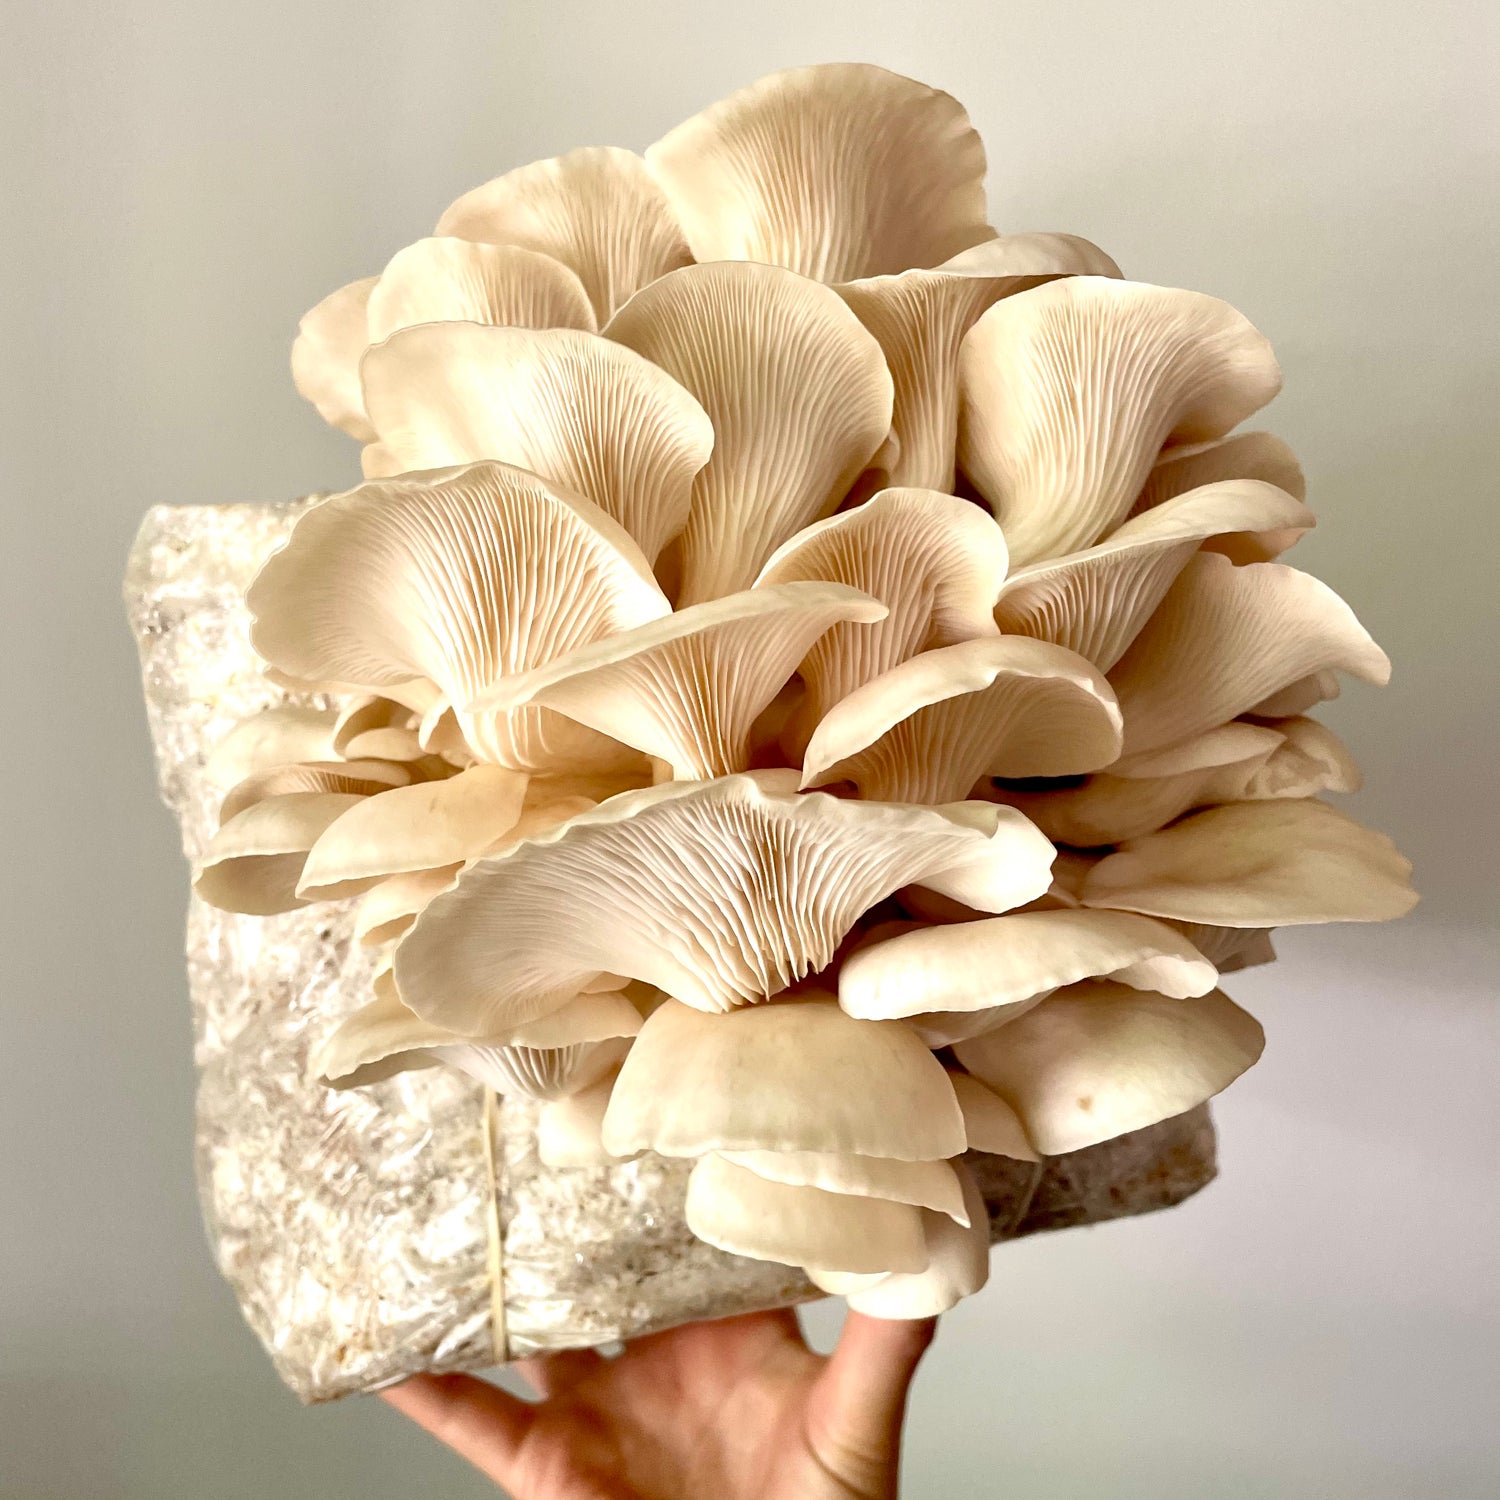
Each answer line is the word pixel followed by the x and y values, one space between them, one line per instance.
pixel 1099 1059
pixel 739 888
pixel 792 1076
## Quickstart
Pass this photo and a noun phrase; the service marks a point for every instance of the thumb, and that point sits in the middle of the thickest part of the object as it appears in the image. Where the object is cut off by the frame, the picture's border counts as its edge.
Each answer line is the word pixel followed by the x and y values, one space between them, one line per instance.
pixel 857 1408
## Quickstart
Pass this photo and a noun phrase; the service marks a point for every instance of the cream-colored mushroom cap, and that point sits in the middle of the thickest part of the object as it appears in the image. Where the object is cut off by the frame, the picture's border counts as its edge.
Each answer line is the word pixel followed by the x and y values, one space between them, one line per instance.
pixel 583 412
pixel 364 778
pixel 924 1184
pixel 389 908
pixel 1258 864
pixel 1237 762
pixel 930 728
pixel 798 394
pixel 1220 765
pixel 837 171
pixel 920 319
pixel 413 828
pixel 1070 391
pixel 545 1073
pixel 1099 1059
pixel 1095 601
pixel 936 562
pixel 254 862
pixel 425 579
pixel 1241 455
pixel 688 688
pixel 325 357
pixel 1008 961
pixel 958 1265
pixel 990 1124
pixel 386 1036
pixel 738 1211
pixel 1223 639
pixel 796 1075
pixel 738 888
pixel 568 1129
pixel 596 210
pixel 446 280
pixel 1032 254
pixel 1309 759
pixel 282 736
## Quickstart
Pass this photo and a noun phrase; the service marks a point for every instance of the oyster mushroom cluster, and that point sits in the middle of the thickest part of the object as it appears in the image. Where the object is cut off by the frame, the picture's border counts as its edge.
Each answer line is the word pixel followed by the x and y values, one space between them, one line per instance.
pixel 817 687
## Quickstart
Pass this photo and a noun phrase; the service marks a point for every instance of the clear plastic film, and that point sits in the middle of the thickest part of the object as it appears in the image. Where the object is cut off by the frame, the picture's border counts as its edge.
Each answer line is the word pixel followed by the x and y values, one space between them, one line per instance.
pixel 359 1229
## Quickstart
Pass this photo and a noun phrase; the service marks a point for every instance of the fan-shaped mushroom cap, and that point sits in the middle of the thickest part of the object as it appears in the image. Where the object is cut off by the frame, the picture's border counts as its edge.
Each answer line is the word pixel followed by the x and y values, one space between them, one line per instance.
pixel 532 1072
pixel 1297 697
pixel 389 908
pixel 1034 253
pixel 581 411
pixel 1226 637
pixel 1069 392
pixel 394 742
pixel 958 1265
pixel 426 578
pixel 1094 601
pixel 688 688
pixel 410 828
pixel 837 171
pixel 601 1013
pixel 446 280
pixel 253 863
pixel 735 1210
pixel 796 1075
pixel 920 319
pixel 1218 766
pixel 942 1028
pixel 1242 455
pixel 373 720
pixel 737 888
pixel 1224 745
pixel 1100 1059
pixel 1011 961
pixel 990 1124
pixel 387 1037
pixel 798 394
pixel 597 210
pixel 1113 809
pixel 1229 949
pixel 936 562
pixel 568 1129
pixel 1258 864
pixel 551 799
pixel 375 1042
pixel 282 736
pixel 362 778
pixel 930 728
pixel 1311 758
pixel 924 1184
pixel 325 357
pixel 842 1283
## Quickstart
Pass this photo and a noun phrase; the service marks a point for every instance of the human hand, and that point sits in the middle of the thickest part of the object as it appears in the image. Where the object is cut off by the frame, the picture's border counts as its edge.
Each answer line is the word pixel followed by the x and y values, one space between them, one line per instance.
pixel 739 1409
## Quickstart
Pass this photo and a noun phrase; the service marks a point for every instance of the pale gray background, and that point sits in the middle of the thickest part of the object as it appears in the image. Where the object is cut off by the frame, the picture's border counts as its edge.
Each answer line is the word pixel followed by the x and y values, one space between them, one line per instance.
pixel 181 180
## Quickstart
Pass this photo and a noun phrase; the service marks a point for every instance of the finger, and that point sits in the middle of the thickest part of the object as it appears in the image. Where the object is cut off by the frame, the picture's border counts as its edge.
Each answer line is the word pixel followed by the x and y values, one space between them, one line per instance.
pixel 477 1420
pixel 860 1400
pixel 876 1358
pixel 550 1373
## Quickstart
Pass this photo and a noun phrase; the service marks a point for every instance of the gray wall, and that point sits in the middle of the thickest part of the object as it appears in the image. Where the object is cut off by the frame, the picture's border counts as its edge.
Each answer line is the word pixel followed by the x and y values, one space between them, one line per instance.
pixel 181 180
